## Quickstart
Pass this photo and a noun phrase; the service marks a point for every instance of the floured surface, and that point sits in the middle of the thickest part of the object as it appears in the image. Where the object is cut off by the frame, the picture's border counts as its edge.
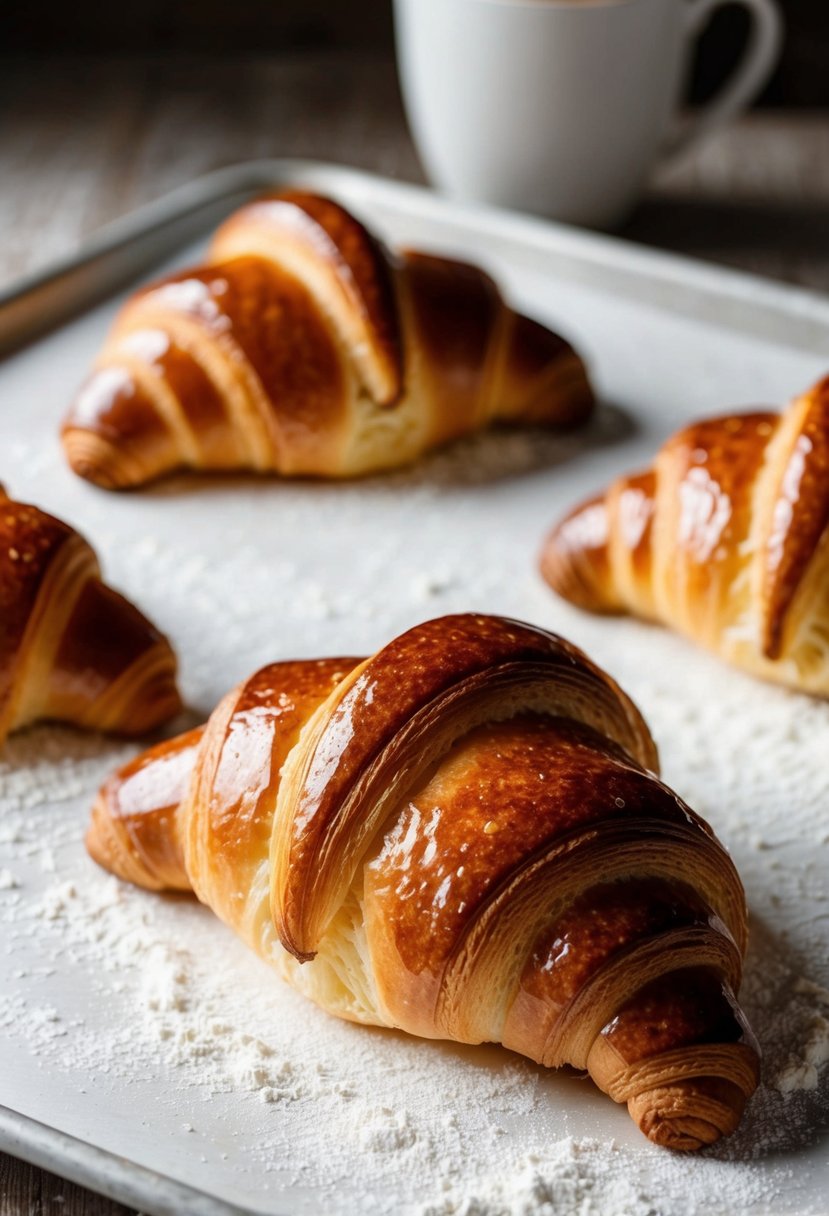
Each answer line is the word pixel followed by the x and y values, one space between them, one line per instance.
pixel 140 1024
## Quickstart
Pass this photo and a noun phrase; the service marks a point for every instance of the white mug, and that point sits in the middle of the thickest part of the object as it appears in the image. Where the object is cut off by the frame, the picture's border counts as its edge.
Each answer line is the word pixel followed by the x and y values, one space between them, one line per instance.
pixel 561 107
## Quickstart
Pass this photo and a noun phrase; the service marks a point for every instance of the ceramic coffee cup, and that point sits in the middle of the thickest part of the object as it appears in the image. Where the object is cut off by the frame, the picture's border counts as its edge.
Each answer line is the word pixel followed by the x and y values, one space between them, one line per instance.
pixel 561 107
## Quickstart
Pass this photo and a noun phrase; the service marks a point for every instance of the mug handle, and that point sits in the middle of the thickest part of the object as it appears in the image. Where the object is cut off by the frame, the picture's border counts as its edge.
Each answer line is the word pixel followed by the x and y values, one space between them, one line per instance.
pixel 758 61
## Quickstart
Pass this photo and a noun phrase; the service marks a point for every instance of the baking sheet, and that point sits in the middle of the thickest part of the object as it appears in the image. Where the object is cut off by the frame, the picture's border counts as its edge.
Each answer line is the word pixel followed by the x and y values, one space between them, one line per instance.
pixel 240 571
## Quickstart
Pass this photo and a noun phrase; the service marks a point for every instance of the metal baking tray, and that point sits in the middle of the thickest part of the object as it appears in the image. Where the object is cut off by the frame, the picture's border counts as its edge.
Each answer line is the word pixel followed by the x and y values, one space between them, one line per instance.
pixel 667 339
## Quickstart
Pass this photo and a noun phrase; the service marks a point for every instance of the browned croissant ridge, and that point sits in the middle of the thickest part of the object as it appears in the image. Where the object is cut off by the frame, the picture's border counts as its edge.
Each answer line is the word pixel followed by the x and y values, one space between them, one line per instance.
pixel 71 648
pixel 725 538
pixel 461 837
pixel 302 346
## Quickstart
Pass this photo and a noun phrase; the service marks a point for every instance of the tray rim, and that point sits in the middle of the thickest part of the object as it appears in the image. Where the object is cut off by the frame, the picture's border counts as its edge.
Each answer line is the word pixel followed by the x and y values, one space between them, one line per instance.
pixel 125 248
pixel 106 1172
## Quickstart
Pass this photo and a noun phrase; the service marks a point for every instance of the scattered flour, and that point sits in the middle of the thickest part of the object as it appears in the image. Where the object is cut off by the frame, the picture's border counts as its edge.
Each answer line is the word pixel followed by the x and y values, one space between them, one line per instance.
pixel 574 1178
pixel 387 1131
pixel 809 1034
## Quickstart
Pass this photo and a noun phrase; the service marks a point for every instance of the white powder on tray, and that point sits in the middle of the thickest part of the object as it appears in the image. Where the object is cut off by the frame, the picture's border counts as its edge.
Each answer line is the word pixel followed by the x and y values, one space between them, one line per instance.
pixel 170 1015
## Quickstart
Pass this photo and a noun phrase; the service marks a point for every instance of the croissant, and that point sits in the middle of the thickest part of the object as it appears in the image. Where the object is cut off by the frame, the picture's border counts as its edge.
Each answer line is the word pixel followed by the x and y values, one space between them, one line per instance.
pixel 303 347
pixel 71 648
pixel 461 837
pixel 725 538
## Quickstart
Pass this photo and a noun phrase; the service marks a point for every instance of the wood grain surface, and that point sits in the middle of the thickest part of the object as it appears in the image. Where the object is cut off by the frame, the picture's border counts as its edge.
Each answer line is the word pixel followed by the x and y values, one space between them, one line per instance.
pixel 83 141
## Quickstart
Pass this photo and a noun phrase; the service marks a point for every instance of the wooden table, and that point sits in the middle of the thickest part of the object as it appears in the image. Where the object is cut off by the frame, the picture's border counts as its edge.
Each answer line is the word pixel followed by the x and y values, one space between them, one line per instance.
pixel 84 141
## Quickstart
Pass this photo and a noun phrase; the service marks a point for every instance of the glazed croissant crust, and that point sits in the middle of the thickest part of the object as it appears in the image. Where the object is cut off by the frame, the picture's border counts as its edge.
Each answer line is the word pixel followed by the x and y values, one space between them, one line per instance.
pixel 71 648
pixel 302 346
pixel 462 837
pixel 725 538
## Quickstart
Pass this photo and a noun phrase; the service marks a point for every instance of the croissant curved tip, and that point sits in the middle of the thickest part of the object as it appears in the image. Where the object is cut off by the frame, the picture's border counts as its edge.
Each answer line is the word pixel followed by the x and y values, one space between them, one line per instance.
pixel 142 701
pixel 690 1114
pixel 548 382
pixel 161 702
pixel 163 706
pixel 575 560
pixel 96 460
pixel 108 844
pixel 99 838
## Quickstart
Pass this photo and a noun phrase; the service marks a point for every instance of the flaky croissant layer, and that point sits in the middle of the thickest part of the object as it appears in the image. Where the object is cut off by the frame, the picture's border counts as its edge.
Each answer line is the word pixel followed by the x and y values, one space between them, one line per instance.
pixel 71 648
pixel 302 346
pixel 725 538
pixel 463 836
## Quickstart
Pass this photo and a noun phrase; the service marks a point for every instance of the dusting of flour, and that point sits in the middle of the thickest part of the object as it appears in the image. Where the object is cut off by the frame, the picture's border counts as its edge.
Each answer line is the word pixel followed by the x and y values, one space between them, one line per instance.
pixel 141 1020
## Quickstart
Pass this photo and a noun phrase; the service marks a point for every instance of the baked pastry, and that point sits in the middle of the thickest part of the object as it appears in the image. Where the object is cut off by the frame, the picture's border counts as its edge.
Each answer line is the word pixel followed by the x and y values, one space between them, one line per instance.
pixel 303 347
pixel 725 538
pixel 71 648
pixel 462 837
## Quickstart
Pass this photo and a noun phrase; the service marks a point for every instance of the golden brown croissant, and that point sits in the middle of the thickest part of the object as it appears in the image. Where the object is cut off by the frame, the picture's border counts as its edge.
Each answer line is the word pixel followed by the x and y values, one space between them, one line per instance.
pixel 725 538
pixel 71 648
pixel 461 837
pixel 303 347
